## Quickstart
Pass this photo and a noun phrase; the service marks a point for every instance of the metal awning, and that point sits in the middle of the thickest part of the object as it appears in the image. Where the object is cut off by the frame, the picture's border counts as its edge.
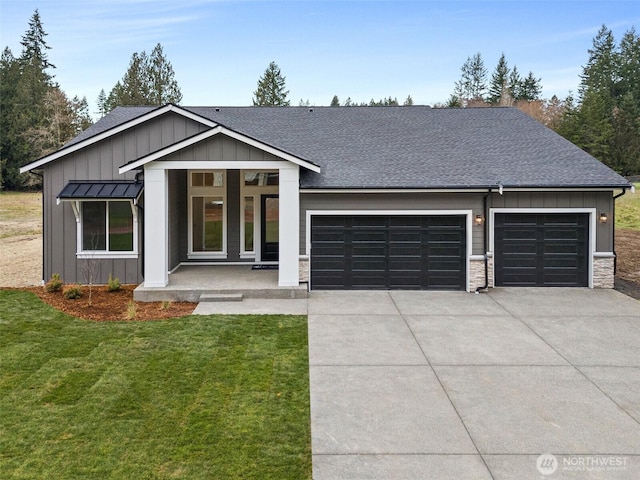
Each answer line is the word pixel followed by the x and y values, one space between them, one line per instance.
pixel 102 190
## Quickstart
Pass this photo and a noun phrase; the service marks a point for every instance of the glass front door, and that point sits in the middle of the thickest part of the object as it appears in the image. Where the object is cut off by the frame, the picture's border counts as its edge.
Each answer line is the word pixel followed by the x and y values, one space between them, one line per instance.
pixel 270 227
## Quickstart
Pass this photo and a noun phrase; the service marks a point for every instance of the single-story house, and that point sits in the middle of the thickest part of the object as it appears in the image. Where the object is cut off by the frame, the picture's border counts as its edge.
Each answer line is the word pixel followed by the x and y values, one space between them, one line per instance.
pixel 339 197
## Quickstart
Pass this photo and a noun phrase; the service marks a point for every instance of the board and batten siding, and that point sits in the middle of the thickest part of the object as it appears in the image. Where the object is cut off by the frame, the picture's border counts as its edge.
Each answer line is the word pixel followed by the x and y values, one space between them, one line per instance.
pixel 100 161
pixel 602 201
pixel 393 201
pixel 220 148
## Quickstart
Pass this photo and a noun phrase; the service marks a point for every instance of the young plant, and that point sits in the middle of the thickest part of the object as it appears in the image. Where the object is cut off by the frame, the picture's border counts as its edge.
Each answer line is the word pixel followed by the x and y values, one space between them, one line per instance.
pixel 72 292
pixel 90 267
pixel 54 284
pixel 166 304
pixel 113 284
pixel 132 310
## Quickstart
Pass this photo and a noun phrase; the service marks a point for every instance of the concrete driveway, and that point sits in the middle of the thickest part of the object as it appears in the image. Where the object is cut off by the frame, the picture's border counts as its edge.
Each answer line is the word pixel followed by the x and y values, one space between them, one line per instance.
pixel 451 385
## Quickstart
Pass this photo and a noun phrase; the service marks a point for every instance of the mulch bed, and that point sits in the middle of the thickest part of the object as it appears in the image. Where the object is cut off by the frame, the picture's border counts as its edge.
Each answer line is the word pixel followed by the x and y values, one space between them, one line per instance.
pixel 109 306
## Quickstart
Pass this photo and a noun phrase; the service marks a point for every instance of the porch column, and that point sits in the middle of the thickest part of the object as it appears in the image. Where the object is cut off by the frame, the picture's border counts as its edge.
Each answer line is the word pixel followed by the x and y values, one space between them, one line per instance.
pixel 289 248
pixel 156 260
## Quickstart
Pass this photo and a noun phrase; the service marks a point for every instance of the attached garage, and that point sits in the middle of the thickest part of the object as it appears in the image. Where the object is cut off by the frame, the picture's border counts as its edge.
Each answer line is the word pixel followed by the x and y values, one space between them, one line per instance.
pixel 387 252
pixel 541 249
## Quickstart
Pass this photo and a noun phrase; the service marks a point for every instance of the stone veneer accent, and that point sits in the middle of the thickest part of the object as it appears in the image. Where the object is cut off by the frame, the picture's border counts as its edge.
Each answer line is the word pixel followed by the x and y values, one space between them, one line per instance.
pixel 603 268
pixel 476 272
pixel 303 269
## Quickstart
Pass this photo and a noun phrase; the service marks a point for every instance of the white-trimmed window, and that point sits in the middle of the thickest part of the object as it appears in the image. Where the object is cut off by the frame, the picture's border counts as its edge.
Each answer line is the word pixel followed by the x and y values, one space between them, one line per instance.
pixel 107 228
pixel 207 214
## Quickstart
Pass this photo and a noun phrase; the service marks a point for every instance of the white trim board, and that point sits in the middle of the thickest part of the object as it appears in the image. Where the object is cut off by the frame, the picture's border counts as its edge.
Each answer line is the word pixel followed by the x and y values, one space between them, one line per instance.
pixel 424 213
pixel 114 131
pixel 592 229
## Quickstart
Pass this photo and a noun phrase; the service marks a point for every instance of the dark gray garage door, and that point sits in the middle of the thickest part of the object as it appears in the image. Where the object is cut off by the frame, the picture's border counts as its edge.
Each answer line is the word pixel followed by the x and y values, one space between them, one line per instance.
pixel 541 250
pixel 388 252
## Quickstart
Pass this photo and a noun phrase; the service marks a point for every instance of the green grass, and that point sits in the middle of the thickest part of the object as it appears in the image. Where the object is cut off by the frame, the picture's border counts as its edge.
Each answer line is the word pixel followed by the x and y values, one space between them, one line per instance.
pixel 628 210
pixel 215 397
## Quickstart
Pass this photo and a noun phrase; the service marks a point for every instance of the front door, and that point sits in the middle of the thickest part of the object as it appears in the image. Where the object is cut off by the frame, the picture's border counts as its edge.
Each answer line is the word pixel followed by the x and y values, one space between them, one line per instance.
pixel 270 231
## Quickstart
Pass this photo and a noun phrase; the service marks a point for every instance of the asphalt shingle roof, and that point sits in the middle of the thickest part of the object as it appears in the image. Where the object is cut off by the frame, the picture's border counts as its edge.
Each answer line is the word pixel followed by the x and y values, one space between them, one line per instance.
pixel 409 147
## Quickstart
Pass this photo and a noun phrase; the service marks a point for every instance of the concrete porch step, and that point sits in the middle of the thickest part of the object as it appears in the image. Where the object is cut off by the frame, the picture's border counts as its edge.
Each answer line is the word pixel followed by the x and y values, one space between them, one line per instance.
pixel 220 297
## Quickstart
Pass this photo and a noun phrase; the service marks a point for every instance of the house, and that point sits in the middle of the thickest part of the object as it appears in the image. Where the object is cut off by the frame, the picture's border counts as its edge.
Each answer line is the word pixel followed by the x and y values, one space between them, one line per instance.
pixel 339 197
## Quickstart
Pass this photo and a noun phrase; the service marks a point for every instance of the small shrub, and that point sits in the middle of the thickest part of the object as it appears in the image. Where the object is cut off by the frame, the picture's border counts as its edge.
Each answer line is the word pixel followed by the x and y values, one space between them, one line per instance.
pixel 113 284
pixel 132 310
pixel 166 304
pixel 54 284
pixel 72 292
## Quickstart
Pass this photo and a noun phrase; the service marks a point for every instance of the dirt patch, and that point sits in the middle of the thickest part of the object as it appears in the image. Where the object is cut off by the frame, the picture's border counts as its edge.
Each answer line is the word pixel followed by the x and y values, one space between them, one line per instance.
pixel 109 306
pixel 21 261
pixel 628 262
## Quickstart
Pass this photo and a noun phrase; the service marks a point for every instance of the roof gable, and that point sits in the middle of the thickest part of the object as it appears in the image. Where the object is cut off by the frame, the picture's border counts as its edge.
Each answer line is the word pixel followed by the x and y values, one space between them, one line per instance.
pixel 112 125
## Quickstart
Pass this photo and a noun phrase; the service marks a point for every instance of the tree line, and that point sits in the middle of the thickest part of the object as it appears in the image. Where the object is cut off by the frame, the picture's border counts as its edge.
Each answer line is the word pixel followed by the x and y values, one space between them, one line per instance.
pixel 37 117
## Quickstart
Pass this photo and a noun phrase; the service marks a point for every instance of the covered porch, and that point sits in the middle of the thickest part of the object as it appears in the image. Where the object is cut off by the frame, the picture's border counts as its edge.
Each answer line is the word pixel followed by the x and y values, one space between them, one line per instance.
pixel 214 200
pixel 195 283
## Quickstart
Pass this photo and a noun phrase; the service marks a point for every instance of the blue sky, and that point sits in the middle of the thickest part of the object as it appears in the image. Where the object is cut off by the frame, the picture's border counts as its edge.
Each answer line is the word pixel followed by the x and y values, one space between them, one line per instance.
pixel 360 49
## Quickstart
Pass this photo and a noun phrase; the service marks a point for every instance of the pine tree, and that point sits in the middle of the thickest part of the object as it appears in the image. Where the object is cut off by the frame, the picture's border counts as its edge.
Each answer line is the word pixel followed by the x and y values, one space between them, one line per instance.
pixel 530 88
pixel 163 87
pixel 28 110
pixel 149 80
pixel 408 101
pixel 499 81
pixel 271 88
pixel 606 120
pixel 515 84
pixel 472 86
pixel 335 102
pixel 102 103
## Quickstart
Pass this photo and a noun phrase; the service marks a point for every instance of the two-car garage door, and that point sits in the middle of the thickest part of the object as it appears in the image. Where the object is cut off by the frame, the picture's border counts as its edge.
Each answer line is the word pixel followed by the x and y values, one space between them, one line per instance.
pixel 388 252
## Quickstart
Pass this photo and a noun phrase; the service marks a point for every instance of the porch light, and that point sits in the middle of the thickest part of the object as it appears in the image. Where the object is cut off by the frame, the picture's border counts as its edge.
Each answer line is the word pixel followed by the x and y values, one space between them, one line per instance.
pixel 603 217
pixel 479 219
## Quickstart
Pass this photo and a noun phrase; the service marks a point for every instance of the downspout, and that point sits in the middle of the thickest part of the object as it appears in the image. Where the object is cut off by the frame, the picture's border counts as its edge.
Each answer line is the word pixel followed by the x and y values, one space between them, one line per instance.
pixel 613 233
pixel 486 243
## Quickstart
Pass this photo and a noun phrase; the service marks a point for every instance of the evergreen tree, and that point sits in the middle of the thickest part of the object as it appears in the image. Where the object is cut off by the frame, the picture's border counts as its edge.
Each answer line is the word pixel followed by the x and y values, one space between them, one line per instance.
pixel 606 120
pixel 515 84
pixel 102 103
pixel 499 81
pixel 27 104
pixel 271 88
pixel 335 102
pixel 163 87
pixel 530 88
pixel 408 101
pixel 472 86
pixel 149 80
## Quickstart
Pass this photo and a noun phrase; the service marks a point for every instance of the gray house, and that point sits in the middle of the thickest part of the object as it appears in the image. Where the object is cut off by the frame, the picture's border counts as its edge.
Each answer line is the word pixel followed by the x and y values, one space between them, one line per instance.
pixel 341 198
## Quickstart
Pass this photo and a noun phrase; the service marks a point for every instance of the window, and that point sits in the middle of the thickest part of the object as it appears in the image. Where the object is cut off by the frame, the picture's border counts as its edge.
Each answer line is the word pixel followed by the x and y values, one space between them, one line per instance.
pixel 261 178
pixel 107 227
pixel 207 224
pixel 207 214
pixel 207 179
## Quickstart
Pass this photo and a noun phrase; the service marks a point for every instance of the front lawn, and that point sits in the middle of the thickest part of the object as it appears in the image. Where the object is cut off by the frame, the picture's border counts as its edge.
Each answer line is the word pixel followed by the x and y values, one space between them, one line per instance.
pixel 628 210
pixel 215 397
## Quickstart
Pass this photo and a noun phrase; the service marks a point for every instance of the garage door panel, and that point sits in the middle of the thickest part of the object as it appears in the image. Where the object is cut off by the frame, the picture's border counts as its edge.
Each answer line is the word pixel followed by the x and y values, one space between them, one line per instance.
pixel 386 252
pixel 551 251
